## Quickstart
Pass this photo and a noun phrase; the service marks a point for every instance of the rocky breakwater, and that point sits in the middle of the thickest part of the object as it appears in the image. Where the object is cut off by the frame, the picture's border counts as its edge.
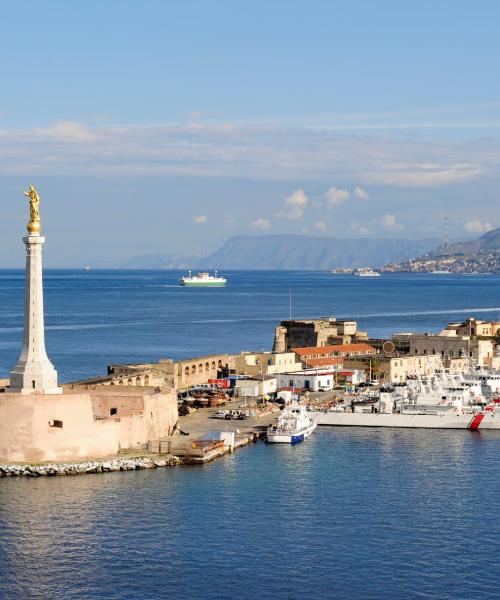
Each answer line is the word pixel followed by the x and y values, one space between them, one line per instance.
pixel 95 466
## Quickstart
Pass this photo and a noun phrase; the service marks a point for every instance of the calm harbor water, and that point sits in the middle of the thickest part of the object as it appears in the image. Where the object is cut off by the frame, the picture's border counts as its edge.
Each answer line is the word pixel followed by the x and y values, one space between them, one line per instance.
pixel 350 513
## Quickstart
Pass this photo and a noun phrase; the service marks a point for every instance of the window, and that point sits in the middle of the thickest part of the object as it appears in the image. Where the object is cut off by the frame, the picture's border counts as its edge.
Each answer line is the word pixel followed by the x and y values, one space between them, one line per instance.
pixel 56 423
pixel 113 411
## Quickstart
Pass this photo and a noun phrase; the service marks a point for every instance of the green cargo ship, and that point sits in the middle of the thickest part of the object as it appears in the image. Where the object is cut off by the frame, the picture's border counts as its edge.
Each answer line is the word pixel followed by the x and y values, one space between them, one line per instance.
pixel 202 279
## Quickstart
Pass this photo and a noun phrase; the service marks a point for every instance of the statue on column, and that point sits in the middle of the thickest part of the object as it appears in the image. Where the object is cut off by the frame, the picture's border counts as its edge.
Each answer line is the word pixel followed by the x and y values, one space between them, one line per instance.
pixel 34 224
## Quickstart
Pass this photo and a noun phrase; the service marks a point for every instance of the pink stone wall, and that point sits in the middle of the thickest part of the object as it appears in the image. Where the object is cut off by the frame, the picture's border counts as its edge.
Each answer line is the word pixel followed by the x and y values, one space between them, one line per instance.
pixel 26 434
pixel 124 404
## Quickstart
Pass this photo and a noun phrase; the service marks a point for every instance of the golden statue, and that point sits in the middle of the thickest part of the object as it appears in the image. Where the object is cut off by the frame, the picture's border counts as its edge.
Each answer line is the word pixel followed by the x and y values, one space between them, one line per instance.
pixel 34 224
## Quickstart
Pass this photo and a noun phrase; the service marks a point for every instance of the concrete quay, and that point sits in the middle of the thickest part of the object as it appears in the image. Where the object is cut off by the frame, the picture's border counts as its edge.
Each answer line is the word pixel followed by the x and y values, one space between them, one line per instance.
pixel 195 429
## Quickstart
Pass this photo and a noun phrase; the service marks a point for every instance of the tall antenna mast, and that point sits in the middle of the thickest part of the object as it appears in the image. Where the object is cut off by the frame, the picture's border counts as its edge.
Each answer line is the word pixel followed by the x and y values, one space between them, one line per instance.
pixel 445 235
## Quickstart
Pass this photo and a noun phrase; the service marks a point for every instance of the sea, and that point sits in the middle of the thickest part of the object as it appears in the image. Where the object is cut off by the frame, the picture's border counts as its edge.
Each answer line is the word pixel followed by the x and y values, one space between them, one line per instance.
pixel 349 513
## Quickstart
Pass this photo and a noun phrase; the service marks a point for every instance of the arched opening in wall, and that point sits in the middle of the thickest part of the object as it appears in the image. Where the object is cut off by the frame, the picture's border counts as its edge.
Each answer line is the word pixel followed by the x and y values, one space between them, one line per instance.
pixel 112 411
pixel 146 379
pixel 129 382
pixel 120 382
pixel 213 364
pixel 186 371
pixel 193 370
pixel 207 367
pixel 137 381
pixel 200 368
pixel 112 383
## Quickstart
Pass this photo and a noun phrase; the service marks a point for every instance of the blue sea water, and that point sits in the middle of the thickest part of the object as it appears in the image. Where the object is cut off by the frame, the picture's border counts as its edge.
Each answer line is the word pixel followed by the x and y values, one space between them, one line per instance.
pixel 349 513
pixel 94 318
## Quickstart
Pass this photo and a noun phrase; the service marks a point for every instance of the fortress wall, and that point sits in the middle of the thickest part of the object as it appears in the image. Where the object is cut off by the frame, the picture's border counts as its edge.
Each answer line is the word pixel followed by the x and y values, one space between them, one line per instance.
pixel 104 404
pixel 155 422
pixel 43 427
pixel 78 426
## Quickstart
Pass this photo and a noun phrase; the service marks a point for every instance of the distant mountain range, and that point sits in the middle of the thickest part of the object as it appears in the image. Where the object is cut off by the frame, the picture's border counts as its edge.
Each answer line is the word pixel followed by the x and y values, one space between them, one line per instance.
pixel 294 252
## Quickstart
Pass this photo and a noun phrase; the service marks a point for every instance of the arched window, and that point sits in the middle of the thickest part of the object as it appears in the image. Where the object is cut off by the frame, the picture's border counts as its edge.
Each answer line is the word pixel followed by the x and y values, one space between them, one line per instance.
pixel 207 367
pixel 186 371
pixel 137 381
pixel 146 379
pixel 193 370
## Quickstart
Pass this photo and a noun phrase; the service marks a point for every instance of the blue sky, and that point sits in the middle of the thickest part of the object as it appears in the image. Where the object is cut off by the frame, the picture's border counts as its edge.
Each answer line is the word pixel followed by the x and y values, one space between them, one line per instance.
pixel 167 127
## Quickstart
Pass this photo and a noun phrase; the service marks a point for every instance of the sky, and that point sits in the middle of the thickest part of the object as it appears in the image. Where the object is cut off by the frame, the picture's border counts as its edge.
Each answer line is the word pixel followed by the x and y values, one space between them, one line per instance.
pixel 165 128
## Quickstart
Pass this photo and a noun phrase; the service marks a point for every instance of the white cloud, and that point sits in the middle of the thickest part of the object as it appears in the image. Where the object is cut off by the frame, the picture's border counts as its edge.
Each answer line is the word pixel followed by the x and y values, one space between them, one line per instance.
pixel 476 226
pixel 390 223
pixel 262 152
pixel 360 193
pixel 260 223
pixel 335 196
pixel 360 229
pixel 294 206
pixel 320 225
pixel 201 219
pixel 68 131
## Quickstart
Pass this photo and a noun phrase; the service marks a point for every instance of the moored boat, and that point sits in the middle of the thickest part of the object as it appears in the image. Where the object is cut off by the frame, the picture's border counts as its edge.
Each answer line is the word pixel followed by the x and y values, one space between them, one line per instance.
pixel 438 402
pixel 293 426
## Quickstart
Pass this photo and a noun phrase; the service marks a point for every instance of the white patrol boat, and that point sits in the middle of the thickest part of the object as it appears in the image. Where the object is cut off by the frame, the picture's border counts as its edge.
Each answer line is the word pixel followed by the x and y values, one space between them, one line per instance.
pixel 202 279
pixel 293 425
pixel 437 402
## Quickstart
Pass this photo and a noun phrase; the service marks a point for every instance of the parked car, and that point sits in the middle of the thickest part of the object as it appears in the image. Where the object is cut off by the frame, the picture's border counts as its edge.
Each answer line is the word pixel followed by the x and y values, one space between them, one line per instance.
pixel 219 414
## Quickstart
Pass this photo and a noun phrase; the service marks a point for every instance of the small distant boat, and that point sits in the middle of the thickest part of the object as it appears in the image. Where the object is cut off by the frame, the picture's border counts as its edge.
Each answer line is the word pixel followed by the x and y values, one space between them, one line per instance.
pixel 86 268
pixel 366 273
pixel 293 426
pixel 443 272
pixel 202 279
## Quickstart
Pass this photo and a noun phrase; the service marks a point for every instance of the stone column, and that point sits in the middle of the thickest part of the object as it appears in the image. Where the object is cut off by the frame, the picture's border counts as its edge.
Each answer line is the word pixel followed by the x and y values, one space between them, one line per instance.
pixel 33 371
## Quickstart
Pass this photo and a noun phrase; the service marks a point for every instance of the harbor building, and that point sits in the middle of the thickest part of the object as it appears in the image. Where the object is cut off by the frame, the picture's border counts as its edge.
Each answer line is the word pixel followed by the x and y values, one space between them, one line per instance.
pixel 254 387
pixel 180 374
pixel 312 380
pixel 449 345
pixel 267 363
pixel 43 421
pixel 474 328
pixel 324 356
pixel 389 368
pixel 315 332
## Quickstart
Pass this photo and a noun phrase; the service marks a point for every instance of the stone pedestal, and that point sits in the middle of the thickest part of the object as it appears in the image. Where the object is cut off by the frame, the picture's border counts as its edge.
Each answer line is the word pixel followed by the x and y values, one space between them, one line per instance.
pixel 33 371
